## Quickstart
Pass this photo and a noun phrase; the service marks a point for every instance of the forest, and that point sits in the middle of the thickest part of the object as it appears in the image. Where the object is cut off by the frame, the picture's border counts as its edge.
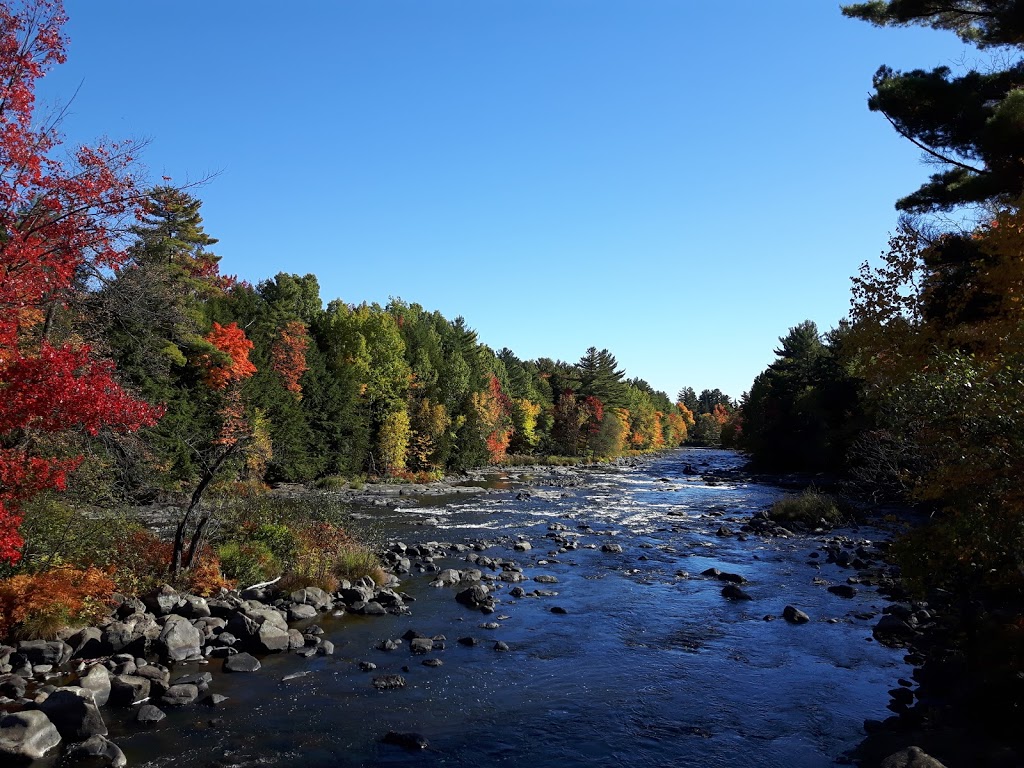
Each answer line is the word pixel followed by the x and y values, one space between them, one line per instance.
pixel 916 397
pixel 133 371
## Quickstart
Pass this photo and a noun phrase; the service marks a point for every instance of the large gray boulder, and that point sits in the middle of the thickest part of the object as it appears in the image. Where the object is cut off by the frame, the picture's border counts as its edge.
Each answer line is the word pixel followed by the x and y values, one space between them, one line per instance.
pixel 180 695
pixel 74 712
pixel 53 652
pixel 477 596
pixel 97 680
pixel 313 596
pixel 126 690
pixel 262 637
pixel 194 607
pixel 122 636
pixel 178 640
pixel 164 601
pixel 87 643
pixel 27 735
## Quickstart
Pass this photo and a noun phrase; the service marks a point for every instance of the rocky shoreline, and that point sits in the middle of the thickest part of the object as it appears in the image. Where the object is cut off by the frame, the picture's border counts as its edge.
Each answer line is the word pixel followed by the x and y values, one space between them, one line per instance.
pixel 55 692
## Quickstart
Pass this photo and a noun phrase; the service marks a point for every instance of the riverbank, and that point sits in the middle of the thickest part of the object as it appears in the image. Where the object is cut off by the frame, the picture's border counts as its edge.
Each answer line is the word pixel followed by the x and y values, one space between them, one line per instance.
pixel 615 592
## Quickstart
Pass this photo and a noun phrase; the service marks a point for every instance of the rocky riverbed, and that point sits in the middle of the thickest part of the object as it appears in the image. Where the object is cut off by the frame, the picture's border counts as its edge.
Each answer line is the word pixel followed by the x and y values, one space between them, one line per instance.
pixel 643 614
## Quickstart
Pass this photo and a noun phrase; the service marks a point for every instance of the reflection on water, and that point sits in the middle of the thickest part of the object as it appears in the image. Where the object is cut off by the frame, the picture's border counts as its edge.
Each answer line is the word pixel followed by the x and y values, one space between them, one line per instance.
pixel 648 664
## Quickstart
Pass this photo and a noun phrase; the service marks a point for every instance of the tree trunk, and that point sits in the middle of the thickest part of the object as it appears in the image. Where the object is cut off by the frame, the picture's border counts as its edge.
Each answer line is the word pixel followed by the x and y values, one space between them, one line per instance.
pixel 178 564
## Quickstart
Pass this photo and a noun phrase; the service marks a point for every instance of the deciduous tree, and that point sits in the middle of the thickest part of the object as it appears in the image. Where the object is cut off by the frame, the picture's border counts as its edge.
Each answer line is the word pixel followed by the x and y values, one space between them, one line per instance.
pixel 59 224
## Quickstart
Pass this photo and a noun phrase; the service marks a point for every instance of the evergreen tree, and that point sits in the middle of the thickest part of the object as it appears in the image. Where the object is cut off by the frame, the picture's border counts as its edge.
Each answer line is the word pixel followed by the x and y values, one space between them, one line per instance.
pixel 970 124
pixel 601 378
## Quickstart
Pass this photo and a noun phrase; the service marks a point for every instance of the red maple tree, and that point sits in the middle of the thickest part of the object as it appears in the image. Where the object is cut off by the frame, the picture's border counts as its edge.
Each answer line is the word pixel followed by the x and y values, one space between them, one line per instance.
pixel 288 355
pixel 58 225
pixel 234 364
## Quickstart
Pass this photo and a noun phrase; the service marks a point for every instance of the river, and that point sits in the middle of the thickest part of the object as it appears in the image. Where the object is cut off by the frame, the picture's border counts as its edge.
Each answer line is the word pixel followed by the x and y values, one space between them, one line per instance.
pixel 648 665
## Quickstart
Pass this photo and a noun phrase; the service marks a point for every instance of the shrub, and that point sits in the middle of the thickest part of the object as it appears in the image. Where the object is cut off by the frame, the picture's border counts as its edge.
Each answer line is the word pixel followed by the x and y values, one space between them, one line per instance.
pixel 325 554
pixel 331 483
pixel 248 562
pixel 58 535
pixel 810 507
pixel 141 561
pixel 38 605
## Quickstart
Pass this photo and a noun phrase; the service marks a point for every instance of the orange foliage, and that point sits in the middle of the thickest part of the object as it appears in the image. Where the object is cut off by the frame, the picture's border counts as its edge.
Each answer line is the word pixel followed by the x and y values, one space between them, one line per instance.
pixel 495 412
pixel 44 602
pixel 720 414
pixel 140 564
pixel 232 342
pixel 288 356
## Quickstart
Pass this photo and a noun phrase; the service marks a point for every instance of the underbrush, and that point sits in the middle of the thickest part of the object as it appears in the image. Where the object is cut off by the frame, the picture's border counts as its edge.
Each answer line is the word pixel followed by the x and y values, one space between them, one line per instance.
pixel 810 507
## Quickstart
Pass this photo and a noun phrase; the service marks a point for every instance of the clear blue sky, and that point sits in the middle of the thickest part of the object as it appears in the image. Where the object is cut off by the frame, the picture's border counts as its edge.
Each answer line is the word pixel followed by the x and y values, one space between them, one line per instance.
pixel 675 183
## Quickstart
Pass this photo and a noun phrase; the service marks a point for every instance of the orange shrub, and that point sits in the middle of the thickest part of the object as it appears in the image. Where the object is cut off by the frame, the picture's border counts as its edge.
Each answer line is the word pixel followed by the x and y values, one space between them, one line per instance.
pixel 141 563
pixel 38 605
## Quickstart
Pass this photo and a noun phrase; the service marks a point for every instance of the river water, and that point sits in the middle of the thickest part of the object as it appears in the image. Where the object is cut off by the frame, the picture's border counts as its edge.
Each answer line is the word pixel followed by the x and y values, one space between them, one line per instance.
pixel 648 666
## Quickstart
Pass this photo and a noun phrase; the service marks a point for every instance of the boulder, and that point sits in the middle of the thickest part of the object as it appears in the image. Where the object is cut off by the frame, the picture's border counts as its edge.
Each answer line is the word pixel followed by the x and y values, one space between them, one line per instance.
pixel 373 608
pixel 241 662
pixel 120 636
pixel 164 601
pixel 194 607
pixel 732 592
pixel 843 590
pixel 53 652
pixel 148 714
pixel 301 611
pixel 911 757
pixel 200 680
pixel 86 643
pixel 611 547
pixel 27 735
pixel 312 596
pixel 97 680
pixel 892 629
pixel 99 751
pixel 178 640
pixel 180 695
pixel 388 682
pixel 421 645
pixel 477 596
pixel 794 615
pixel 732 578
pixel 447 578
pixel 74 713
pixel 13 686
pixel 262 637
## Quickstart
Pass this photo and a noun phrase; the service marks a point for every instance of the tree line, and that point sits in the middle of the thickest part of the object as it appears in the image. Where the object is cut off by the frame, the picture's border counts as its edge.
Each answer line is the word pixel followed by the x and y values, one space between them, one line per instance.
pixel 917 395
pixel 132 368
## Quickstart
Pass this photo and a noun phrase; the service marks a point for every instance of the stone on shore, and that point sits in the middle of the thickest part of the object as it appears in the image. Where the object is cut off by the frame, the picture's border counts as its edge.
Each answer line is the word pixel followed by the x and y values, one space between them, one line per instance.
pixel 27 735
pixel 241 662
pixel 97 680
pixel 178 640
pixel 149 714
pixel 126 690
pixel 74 713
